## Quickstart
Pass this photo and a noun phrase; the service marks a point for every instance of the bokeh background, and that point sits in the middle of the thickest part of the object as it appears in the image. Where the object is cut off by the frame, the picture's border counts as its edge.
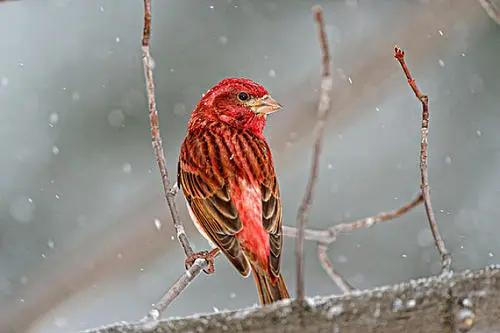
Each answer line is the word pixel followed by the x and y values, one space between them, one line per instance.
pixel 85 235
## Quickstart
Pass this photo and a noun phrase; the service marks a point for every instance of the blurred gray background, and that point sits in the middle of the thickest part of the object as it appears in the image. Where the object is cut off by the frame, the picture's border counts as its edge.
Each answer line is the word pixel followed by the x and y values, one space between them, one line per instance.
pixel 85 236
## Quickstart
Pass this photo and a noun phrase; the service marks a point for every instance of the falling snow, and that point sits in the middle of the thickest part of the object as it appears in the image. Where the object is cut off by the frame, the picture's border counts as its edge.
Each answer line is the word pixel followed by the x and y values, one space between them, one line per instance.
pixel 116 118
pixel 157 224
pixel 22 209
pixel 127 168
pixel 55 150
pixel 223 40
pixel 180 109
pixel 476 84
pixel 342 259
pixel 424 237
pixel 272 73
pixel 53 119
pixel 4 81
pixel 60 322
pixel 51 244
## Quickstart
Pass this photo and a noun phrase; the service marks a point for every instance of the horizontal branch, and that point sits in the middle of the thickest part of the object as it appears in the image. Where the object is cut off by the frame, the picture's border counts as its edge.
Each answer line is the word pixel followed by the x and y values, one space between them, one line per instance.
pixel 452 302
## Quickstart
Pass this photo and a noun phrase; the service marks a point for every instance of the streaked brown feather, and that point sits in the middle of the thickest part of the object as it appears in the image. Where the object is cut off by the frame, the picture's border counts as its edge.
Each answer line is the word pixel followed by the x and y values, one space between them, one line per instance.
pixel 207 165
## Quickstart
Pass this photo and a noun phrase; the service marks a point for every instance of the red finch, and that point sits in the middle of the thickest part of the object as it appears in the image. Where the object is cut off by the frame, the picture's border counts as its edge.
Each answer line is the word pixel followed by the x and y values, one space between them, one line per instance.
pixel 227 175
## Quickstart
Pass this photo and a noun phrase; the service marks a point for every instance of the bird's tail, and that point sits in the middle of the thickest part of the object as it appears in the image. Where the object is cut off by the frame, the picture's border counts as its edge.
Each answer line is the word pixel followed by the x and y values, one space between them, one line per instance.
pixel 269 292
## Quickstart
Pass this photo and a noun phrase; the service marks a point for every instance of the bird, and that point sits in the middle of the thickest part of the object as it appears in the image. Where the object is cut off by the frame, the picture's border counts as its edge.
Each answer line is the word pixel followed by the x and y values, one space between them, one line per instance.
pixel 227 175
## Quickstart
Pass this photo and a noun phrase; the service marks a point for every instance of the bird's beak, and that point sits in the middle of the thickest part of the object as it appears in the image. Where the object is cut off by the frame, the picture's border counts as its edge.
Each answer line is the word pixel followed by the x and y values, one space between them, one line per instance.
pixel 265 105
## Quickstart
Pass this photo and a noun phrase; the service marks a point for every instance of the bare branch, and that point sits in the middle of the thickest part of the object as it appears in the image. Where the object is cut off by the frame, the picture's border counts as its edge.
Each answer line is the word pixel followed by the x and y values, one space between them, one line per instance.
pixel 327 265
pixel 155 131
pixel 491 9
pixel 324 106
pixel 175 290
pixel 328 236
pixel 197 262
pixel 445 255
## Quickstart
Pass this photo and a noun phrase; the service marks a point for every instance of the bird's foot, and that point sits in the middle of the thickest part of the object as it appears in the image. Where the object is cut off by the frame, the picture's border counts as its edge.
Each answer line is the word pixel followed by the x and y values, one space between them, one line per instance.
pixel 209 256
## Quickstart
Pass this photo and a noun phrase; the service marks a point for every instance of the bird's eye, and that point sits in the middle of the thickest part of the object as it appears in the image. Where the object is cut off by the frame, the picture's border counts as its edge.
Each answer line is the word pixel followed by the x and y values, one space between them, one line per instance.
pixel 243 96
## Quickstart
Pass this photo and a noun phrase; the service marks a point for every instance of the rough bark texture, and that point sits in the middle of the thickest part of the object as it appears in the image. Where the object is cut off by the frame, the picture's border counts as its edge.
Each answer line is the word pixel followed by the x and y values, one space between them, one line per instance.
pixel 455 302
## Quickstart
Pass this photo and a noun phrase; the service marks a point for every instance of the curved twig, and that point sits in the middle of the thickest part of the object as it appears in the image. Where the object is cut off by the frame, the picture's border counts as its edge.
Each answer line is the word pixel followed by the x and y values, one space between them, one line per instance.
pixel 445 255
pixel 324 106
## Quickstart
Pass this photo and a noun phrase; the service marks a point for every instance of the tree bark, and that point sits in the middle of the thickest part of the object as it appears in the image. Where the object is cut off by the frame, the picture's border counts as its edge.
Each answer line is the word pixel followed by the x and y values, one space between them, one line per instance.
pixel 455 302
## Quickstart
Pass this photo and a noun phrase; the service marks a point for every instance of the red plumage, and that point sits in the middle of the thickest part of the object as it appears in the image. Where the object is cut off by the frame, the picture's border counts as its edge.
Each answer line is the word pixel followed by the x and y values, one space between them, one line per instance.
pixel 227 175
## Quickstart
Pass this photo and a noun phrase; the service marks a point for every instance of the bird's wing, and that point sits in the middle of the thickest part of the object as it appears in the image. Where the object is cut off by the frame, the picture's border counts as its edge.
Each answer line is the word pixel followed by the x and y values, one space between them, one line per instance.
pixel 272 219
pixel 264 172
pixel 208 197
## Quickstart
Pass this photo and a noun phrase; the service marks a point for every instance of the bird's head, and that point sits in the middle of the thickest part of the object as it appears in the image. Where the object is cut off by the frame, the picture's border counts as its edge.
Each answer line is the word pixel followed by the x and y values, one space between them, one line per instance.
pixel 238 102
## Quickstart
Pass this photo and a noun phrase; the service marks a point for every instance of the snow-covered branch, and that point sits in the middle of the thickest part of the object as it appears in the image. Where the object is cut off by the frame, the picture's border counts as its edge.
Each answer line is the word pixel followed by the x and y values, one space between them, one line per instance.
pixel 452 302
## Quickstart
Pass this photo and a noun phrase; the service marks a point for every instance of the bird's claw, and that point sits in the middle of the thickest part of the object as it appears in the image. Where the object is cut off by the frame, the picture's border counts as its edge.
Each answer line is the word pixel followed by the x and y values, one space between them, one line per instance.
pixel 209 256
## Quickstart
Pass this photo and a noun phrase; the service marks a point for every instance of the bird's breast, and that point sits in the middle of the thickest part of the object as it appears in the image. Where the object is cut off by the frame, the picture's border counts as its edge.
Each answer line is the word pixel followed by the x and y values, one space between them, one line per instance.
pixel 254 239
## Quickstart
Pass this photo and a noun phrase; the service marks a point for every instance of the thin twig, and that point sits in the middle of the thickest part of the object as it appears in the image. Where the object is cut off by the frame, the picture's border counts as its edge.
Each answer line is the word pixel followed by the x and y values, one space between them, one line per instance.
pixel 491 9
pixel 445 255
pixel 151 320
pixel 155 131
pixel 175 290
pixel 170 190
pixel 329 235
pixel 326 237
pixel 327 265
pixel 324 106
